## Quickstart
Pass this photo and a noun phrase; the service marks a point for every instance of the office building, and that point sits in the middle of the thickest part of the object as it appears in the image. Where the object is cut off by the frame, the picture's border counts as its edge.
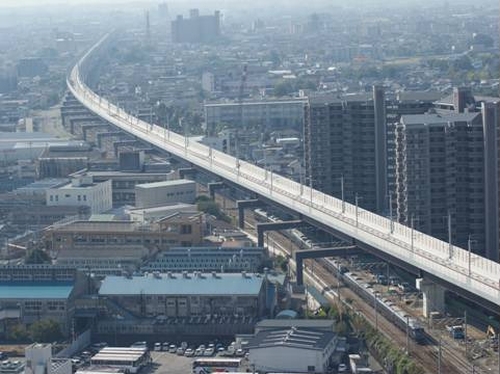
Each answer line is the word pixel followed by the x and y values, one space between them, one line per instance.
pixel 82 191
pixel 196 28
pixel 165 193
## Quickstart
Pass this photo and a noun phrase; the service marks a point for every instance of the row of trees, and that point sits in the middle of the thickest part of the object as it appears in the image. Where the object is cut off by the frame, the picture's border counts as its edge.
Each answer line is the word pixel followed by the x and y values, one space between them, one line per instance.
pixel 43 331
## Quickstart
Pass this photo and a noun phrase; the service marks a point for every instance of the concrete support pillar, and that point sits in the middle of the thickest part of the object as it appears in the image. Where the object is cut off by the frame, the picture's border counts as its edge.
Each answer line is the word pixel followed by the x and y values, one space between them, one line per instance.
pixel 187 172
pixel 433 297
pixel 214 186
pixel 242 205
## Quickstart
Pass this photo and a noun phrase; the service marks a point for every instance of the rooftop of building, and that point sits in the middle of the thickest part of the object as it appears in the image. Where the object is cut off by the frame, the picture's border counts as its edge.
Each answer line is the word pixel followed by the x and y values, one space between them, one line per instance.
pixel 269 101
pixel 435 118
pixel 320 99
pixel 316 324
pixel 164 208
pixel 177 182
pixel 293 337
pixel 419 95
pixel 183 284
pixel 44 184
pixel 35 290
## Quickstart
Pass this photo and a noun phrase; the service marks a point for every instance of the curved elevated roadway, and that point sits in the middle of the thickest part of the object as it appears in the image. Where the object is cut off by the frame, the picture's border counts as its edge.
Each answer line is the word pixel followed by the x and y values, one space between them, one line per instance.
pixel 474 276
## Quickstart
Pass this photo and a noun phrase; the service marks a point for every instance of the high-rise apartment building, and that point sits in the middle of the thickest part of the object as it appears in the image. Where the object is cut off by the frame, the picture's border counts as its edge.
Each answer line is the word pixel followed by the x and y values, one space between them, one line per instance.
pixel 345 145
pixel 196 29
pixel 447 172
pixel 440 175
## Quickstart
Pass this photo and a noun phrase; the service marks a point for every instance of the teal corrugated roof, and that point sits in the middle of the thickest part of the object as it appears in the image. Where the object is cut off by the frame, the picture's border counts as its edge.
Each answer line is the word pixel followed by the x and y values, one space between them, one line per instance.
pixel 35 290
pixel 224 284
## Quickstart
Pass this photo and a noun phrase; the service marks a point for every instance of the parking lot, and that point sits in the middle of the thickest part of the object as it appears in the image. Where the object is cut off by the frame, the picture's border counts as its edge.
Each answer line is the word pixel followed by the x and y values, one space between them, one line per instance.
pixel 164 362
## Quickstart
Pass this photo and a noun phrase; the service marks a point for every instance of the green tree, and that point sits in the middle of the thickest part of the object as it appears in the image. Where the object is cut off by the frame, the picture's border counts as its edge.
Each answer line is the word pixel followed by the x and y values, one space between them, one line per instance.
pixel 18 333
pixel 209 206
pixel 37 256
pixel 45 331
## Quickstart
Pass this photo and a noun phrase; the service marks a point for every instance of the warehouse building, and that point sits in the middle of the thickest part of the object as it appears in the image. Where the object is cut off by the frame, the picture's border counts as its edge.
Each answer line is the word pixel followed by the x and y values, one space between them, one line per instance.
pixel 30 293
pixel 294 349
pixel 187 294
pixel 223 259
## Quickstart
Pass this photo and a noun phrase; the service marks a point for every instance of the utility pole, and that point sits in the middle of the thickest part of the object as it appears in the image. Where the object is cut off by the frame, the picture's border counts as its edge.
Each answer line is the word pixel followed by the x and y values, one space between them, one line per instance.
pixel 439 355
pixel 376 311
pixel 407 335
pixel 450 254
pixel 342 192
pixel 356 198
pixel 466 338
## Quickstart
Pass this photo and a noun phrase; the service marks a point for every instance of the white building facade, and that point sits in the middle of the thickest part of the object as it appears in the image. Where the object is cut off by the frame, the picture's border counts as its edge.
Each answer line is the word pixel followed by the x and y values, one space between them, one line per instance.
pixel 82 192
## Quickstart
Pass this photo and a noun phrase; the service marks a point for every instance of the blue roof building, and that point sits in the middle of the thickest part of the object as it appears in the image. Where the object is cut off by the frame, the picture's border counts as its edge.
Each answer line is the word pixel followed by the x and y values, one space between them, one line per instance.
pixel 187 294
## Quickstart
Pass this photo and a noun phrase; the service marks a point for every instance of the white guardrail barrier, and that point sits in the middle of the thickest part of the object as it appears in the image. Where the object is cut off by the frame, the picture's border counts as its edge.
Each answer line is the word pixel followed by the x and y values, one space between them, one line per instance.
pixel 453 264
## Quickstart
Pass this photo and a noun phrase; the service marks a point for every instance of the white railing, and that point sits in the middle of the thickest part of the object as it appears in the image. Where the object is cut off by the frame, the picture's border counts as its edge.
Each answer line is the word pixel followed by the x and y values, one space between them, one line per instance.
pixel 468 271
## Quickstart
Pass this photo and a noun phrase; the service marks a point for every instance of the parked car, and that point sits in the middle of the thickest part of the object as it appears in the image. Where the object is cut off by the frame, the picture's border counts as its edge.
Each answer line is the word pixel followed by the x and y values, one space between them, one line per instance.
pixel 172 348
pixel 180 351
pixel 189 352
pixel 209 352
pixel 164 346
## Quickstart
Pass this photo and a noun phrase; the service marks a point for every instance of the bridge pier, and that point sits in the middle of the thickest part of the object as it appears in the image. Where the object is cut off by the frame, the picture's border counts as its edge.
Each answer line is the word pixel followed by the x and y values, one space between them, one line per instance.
pixel 300 256
pixel 433 297
pixel 214 186
pixel 244 204
pixel 185 172
pixel 273 226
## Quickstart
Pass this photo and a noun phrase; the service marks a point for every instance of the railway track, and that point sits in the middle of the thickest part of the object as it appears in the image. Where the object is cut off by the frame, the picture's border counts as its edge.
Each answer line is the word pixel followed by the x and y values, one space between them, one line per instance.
pixel 432 356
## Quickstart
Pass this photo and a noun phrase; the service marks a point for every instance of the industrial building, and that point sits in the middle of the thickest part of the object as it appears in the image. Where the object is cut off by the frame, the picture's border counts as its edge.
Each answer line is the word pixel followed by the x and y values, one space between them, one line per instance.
pixel 164 193
pixel 187 294
pixel 30 293
pixel 207 259
pixel 294 349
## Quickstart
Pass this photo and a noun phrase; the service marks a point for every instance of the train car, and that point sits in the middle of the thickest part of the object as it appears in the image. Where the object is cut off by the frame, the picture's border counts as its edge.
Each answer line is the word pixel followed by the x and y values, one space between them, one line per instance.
pixel 386 308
